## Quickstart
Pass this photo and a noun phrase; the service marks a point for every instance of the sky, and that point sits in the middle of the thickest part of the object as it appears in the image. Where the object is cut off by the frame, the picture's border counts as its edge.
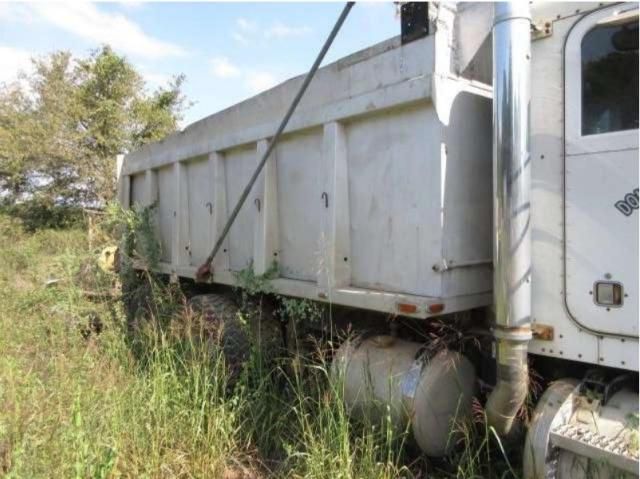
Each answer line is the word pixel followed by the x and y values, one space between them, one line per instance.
pixel 228 51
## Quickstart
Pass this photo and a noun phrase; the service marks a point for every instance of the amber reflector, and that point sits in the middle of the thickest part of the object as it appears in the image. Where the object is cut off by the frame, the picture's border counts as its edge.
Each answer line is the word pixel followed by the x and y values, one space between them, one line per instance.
pixel 436 308
pixel 407 308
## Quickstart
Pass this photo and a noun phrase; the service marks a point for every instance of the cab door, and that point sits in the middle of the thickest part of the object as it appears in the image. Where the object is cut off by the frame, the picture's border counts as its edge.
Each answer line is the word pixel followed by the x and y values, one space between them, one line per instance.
pixel 601 171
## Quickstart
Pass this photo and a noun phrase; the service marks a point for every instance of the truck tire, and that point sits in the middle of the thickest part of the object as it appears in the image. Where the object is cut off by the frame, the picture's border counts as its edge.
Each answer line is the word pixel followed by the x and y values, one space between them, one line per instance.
pixel 221 322
pixel 235 333
pixel 137 299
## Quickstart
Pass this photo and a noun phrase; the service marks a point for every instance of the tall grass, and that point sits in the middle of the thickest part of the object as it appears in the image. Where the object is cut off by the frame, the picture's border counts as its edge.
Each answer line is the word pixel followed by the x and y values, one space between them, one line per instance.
pixel 81 397
pixel 75 403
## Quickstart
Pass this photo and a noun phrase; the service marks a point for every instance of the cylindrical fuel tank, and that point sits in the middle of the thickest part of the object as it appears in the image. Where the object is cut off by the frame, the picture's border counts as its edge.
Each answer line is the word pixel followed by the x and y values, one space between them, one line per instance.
pixel 383 375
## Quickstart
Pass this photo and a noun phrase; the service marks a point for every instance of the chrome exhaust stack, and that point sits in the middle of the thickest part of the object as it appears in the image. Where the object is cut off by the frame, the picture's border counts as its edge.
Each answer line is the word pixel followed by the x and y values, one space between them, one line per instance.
pixel 511 210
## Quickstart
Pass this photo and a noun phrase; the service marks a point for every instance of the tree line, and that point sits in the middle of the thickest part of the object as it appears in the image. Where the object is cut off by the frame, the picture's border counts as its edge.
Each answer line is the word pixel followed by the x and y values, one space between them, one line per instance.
pixel 63 124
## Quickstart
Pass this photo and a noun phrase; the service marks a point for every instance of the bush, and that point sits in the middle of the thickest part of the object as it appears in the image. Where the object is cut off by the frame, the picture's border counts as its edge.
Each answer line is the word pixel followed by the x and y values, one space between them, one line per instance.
pixel 41 213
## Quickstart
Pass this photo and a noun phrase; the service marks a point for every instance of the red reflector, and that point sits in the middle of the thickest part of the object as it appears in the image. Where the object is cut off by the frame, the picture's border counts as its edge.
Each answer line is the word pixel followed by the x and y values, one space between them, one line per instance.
pixel 407 308
pixel 436 308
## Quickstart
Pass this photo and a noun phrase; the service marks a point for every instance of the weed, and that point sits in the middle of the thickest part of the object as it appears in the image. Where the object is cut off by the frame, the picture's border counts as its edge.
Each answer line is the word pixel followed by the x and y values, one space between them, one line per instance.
pixel 251 287
pixel 633 426
pixel 111 403
pixel 300 311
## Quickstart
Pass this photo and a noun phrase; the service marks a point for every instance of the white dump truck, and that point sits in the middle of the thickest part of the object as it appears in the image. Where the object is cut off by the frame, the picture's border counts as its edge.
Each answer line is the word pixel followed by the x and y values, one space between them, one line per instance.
pixel 484 161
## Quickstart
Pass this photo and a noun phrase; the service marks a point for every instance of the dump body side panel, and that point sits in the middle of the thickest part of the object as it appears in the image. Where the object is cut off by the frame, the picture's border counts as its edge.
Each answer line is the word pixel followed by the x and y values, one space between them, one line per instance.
pixel 357 204
pixel 394 177
pixel 300 204
pixel 238 167
pixel 200 191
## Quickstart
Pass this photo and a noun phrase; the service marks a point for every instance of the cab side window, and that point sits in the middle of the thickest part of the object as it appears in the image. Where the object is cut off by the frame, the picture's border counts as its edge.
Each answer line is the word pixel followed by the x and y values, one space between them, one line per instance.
pixel 610 78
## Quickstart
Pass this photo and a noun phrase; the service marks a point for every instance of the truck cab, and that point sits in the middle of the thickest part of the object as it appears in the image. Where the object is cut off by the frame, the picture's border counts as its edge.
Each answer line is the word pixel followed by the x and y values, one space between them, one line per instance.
pixel 584 152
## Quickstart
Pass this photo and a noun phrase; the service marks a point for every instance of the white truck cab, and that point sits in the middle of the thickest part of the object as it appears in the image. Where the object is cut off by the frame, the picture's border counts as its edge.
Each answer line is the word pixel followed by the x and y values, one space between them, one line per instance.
pixel 584 149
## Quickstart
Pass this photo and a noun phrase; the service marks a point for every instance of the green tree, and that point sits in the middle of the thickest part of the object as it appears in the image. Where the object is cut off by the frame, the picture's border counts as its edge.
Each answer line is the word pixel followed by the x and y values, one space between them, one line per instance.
pixel 59 136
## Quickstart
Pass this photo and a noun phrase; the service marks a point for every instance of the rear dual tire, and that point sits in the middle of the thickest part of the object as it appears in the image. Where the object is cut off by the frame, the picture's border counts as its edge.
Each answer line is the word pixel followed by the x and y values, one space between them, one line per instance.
pixel 237 332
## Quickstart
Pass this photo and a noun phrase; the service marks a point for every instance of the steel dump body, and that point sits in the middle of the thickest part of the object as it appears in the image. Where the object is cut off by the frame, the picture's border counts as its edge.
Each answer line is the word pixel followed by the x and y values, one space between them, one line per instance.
pixel 377 196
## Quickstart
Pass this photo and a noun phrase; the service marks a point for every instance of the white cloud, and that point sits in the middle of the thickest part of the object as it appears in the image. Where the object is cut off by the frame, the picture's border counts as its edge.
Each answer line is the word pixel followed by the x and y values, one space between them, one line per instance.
pixel 244 30
pixel 153 79
pixel 240 38
pixel 246 25
pixel 280 30
pixel 5 12
pixel 257 81
pixel 86 20
pixel 247 30
pixel 15 12
pixel 223 68
pixel 254 81
pixel 14 60
pixel 131 4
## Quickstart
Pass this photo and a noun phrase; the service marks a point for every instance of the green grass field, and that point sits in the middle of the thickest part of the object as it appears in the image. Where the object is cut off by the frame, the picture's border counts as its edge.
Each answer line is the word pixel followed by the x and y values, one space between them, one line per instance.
pixel 81 398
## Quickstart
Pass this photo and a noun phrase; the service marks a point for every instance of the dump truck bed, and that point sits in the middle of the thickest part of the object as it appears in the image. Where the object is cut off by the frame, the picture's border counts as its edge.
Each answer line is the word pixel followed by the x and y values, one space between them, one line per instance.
pixel 378 195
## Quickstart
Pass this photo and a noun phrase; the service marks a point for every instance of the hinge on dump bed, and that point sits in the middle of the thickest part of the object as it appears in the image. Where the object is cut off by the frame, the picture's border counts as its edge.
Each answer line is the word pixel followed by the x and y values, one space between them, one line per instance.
pixel 541 30
pixel 414 21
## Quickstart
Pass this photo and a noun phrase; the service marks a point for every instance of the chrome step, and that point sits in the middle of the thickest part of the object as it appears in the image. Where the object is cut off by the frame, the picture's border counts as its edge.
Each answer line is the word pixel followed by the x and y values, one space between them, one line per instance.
pixel 615 451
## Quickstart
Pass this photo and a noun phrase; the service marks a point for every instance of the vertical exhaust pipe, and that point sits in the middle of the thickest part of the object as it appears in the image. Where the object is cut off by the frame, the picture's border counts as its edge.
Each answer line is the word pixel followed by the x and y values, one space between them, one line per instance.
pixel 511 211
